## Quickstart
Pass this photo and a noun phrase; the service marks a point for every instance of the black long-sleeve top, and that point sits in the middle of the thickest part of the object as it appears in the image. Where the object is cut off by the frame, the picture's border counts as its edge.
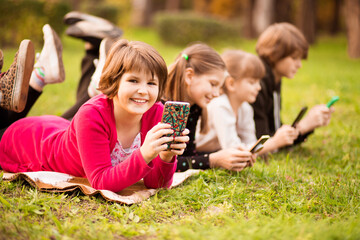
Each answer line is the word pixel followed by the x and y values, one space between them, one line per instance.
pixel 265 115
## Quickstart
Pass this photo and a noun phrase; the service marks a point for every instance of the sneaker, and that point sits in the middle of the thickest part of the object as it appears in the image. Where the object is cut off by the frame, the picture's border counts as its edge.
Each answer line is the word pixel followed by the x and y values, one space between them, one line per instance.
pixel 14 83
pixel 88 27
pixel 1 60
pixel 95 78
pixel 50 58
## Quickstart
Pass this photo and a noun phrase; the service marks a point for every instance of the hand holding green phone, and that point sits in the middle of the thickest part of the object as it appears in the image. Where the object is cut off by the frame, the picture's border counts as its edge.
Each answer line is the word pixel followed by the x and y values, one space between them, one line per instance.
pixel 332 101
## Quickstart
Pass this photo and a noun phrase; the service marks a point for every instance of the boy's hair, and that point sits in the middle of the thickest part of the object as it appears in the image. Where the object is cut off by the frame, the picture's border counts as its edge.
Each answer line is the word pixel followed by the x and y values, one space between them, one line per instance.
pixel 241 65
pixel 281 40
pixel 125 56
pixel 202 59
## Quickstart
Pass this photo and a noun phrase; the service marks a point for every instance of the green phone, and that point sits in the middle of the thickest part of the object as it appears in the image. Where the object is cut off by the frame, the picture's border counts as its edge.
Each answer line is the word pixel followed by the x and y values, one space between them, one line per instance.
pixel 332 101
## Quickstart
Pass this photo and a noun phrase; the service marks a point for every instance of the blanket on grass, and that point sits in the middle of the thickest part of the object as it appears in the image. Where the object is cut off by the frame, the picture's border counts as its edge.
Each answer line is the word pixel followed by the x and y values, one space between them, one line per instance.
pixel 61 182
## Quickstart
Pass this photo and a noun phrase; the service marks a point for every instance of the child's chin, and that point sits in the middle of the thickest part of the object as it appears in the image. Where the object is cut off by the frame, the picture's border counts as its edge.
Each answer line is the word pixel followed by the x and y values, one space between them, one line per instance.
pixel 252 100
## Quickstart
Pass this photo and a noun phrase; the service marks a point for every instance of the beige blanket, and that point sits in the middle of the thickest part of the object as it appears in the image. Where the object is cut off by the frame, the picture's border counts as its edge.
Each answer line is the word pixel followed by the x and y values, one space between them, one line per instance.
pixel 61 182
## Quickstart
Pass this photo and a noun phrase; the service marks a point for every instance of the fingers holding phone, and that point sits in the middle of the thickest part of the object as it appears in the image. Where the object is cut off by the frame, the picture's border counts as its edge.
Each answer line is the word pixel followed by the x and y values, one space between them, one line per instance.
pixel 231 158
pixel 178 145
pixel 285 136
pixel 176 114
pixel 156 141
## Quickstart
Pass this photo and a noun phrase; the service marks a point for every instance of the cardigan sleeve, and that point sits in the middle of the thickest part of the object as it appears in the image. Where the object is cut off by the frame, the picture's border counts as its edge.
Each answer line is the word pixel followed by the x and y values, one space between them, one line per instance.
pixel 161 174
pixel 93 134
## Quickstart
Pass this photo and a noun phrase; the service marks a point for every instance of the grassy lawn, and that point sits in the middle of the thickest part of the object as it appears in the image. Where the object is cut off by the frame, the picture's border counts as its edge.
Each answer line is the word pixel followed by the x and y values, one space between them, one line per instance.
pixel 309 192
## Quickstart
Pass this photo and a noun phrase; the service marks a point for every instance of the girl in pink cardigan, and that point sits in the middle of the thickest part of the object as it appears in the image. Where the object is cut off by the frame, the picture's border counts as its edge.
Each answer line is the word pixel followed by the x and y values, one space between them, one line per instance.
pixel 115 139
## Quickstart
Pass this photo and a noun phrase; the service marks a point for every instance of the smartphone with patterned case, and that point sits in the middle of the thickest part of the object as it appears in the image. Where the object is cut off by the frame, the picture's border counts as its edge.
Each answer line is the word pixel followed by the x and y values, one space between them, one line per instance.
pixel 176 114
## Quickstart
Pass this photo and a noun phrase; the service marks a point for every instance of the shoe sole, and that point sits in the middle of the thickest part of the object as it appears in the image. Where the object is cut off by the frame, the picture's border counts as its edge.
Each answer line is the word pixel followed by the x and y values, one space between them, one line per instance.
pixel 57 62
pixel 59 49
pixel 74 17
pixel 24 68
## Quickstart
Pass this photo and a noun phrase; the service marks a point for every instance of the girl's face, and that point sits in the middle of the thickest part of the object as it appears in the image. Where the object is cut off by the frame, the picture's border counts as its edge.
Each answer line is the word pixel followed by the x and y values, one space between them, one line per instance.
pixel 247 89
pixel 287 67
pixel 202 88
pixel 137 92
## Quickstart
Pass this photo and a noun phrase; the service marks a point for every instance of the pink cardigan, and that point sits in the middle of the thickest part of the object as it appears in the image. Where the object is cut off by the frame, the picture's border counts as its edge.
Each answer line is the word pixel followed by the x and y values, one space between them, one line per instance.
pixel 82 147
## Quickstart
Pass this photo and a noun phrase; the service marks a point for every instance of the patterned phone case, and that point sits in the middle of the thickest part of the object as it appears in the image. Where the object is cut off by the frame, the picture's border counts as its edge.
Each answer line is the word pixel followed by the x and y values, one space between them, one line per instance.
pixel 176 114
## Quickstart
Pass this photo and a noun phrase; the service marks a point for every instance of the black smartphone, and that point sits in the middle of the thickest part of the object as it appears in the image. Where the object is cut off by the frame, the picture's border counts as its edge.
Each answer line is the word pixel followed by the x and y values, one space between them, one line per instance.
pixel 176 114
pixel 299 116
pixel 259 144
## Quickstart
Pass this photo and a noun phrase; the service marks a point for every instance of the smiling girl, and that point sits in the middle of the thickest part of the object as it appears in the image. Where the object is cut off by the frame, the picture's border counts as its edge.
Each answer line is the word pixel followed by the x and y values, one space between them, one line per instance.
pixel 115 139
pixel 230 116
pixel 196 77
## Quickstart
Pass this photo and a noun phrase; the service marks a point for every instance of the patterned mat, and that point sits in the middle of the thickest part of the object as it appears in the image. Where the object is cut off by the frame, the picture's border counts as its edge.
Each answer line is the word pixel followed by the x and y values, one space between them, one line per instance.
pixel 61 182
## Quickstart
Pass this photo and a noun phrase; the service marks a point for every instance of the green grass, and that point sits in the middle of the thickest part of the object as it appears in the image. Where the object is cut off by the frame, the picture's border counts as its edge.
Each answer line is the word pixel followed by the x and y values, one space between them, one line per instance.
pixel 309 192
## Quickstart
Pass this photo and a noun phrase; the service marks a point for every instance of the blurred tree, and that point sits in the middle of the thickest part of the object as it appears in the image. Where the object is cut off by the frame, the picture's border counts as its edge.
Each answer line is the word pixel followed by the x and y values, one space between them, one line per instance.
pixel 172 5
pixel 141 12
pixel 248 28
pixel 283 11
pixel 75 4
pixel 202 6
pixel 335 22
pixel 307 19
pixel 352 15
pixel 226 8
pixel 263 15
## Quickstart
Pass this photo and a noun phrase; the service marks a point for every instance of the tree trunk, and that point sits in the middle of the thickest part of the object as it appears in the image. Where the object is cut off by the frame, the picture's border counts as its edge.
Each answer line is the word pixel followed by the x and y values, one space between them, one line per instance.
pixel 307 19
pixel 172 5
pixel 141 12
pixel 352 13
pixel 335 23
pixel 263 15
pixel 249 31
pixel 283 11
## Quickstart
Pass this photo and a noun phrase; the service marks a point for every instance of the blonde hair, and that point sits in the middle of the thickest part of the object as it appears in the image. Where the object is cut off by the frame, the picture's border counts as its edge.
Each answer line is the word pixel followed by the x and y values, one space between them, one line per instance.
pixel 125 56
pixel 202 59
pixel 281 40
pixel 241 65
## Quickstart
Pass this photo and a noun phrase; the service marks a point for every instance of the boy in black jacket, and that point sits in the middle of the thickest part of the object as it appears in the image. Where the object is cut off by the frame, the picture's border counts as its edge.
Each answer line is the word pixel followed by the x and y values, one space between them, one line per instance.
pixel 282 47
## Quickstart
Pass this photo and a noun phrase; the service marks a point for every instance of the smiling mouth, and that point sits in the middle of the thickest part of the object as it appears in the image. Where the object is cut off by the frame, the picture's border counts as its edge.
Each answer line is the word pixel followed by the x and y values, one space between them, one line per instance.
pixel 139 100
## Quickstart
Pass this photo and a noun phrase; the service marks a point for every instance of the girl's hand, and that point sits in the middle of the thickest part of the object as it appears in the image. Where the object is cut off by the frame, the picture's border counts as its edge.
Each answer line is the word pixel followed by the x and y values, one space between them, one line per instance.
pixel 285 136
pixel 253 160
pixel 156 141
pixel 177 148
pixel 231 159
pixel 253 155
pixel 318 116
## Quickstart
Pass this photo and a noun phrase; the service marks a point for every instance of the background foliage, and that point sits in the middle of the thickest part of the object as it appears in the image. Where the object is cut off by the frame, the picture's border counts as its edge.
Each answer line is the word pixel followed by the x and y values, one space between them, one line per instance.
pixel 185 27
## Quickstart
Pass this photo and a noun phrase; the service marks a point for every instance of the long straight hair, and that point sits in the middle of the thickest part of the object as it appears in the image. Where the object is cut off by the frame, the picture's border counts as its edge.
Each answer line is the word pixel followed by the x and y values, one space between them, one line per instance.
pixel 202 59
